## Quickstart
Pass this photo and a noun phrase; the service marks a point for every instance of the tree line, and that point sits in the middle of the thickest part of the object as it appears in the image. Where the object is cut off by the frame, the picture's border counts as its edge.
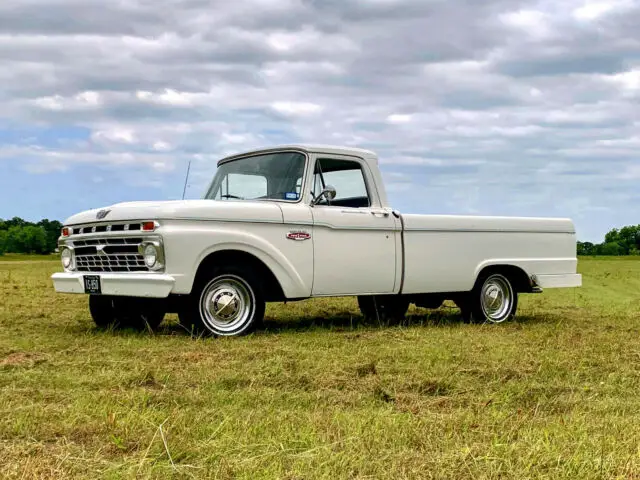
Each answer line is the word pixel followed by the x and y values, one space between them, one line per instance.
pixel 625 241
pixel 19 236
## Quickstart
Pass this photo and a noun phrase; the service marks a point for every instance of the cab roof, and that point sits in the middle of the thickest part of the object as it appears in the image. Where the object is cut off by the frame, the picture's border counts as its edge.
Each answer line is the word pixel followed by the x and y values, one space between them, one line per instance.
pixel 367 155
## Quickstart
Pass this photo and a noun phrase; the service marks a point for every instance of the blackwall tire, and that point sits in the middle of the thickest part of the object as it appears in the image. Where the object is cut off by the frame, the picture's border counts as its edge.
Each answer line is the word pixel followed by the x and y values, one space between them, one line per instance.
pixel 126 312
pixel 102 311
pixel 227 302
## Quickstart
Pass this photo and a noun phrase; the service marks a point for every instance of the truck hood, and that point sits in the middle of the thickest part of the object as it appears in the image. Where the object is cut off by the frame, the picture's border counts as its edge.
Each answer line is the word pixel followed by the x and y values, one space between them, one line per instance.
pixel 183 210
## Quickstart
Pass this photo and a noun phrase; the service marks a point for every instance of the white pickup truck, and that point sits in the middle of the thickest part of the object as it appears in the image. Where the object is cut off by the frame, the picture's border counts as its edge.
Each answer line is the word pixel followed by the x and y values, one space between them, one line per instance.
pixel 295 222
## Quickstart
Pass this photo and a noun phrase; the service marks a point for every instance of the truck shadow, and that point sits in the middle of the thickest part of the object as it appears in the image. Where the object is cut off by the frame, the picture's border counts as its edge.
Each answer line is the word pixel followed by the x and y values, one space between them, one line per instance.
pixel 341 322
pixel 347 321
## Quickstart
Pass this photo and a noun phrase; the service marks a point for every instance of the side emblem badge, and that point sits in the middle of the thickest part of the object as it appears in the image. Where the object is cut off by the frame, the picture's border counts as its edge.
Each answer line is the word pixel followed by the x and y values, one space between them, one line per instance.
pixel 298 235
pixel 102 213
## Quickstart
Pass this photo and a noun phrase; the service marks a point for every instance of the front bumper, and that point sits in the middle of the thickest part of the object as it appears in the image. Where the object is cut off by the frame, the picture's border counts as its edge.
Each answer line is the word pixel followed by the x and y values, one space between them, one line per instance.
pixel 149 285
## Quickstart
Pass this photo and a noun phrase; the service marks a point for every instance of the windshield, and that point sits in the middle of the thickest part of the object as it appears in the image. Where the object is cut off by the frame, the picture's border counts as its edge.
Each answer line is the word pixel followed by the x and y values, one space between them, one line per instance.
pixel 273 176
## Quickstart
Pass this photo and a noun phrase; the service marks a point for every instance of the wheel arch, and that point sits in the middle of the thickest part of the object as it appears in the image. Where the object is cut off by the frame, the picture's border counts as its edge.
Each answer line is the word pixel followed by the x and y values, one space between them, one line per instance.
pixel 273 289
pixel 518 277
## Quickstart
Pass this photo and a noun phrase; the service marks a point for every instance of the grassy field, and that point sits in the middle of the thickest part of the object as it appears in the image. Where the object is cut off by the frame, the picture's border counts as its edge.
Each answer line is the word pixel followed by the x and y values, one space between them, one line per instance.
pixel 319 394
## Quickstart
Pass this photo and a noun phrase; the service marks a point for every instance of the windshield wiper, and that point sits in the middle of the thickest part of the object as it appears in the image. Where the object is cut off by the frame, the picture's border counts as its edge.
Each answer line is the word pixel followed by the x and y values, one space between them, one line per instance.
pixel 231 196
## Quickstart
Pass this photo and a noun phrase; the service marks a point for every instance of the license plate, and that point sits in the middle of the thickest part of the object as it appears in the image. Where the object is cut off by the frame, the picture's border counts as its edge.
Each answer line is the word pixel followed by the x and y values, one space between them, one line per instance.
pixel 92 284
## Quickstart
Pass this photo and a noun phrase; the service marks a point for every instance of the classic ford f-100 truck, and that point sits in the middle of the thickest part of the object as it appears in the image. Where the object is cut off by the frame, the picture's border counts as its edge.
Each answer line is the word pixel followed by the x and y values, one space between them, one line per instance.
pixel 295 222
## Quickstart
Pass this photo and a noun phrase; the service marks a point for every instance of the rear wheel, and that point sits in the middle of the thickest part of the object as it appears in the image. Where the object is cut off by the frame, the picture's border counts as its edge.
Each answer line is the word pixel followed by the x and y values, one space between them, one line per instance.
pixel 493 300
pixel 227 302
pixel 126 312
pixel 383 307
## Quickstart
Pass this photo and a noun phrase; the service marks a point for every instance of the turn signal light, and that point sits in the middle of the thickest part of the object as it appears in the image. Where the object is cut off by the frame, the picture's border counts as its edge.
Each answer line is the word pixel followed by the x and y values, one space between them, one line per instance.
pixel 65 232
pixel 148 226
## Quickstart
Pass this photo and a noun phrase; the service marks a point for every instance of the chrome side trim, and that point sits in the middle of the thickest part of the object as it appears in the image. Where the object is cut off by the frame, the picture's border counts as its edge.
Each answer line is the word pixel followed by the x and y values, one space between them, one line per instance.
pixel 337 227
pixel 485 230
pixel 223 220
pixel 279 222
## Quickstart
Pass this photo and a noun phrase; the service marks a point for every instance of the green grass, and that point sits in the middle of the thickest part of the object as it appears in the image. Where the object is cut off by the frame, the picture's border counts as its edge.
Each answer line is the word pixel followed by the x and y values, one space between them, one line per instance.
pixel 318 394
pixel 22 257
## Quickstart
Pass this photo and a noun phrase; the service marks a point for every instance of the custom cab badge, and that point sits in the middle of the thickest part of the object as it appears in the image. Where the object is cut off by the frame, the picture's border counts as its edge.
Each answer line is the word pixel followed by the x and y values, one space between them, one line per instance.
pixel 298 235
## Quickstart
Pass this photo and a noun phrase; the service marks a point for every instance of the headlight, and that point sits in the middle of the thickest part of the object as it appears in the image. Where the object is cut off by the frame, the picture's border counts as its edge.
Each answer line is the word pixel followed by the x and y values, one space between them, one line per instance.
pixel 150 255
pixel 67 258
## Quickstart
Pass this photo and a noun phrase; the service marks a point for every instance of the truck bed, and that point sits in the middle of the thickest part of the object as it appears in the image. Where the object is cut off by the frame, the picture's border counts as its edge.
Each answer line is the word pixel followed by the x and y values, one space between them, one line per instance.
pixel 445 253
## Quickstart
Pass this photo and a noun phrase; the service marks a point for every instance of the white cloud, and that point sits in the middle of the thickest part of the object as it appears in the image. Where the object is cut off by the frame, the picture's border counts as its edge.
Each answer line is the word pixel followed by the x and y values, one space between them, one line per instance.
pixel 628 81
pixel 90 98
pixel 61 160
pixel 531 22
pixel 399 118
pixel 161 146
pixel 114 135
pixel 82 100
pixel 171 97
pixel 296 108
pixel 591 10
pixel 55 102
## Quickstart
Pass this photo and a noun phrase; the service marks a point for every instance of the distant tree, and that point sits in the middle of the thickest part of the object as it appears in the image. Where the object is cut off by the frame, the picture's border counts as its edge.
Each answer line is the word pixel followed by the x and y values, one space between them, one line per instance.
pixel 586 248
pixel 52 230
pixel 610 248
pixel 19 236
pixel 15 241
pixel 36 240
pixel 612 236
pixel 16 222
pixel 630 237
pixel 27 239
pixel 3 241
pixel 627 237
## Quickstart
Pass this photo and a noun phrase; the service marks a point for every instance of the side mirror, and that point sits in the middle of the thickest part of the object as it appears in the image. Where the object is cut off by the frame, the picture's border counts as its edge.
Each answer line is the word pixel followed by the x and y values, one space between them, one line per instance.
pixel 329 192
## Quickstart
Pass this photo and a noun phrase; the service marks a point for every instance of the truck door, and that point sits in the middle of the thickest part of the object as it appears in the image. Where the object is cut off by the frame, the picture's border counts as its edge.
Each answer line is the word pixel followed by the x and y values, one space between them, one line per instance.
pixel 354 240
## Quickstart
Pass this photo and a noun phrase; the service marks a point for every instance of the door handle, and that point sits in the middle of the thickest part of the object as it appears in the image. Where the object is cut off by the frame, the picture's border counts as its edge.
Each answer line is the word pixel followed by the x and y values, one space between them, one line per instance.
pixel 379 212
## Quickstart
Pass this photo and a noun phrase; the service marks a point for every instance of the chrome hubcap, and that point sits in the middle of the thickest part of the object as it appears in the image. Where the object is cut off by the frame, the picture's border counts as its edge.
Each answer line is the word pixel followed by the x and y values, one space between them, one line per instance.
pixel 226 304
pixel 496 299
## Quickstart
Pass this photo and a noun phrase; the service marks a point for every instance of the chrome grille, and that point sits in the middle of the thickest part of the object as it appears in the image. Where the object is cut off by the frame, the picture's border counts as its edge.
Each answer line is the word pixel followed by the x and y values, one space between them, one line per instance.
pixel 105 227
pixel 109 255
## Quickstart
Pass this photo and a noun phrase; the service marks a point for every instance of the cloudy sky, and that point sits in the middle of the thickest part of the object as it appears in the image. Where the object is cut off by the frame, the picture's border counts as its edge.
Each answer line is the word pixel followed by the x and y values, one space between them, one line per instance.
pixel 500 107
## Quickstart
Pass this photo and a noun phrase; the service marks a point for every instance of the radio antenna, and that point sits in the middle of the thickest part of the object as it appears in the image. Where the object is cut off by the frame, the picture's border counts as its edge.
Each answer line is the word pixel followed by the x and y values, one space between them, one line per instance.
pixel 186 180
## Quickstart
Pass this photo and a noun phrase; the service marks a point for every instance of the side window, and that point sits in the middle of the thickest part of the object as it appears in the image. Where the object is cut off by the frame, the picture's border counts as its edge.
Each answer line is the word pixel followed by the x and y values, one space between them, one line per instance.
pixel 346 177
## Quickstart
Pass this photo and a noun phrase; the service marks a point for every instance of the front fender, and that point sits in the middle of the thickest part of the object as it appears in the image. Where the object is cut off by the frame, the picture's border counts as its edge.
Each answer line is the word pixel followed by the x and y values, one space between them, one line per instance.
pixel 188 247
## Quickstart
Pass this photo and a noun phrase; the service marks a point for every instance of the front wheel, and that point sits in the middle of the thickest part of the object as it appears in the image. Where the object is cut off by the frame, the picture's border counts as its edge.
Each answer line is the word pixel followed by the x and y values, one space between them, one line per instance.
pixel 126 312
pixel 492 300
pixel 228 302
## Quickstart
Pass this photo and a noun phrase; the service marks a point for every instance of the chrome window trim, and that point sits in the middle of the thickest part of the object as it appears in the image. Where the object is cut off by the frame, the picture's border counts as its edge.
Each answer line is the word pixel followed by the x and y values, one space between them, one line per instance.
pixel 258 154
